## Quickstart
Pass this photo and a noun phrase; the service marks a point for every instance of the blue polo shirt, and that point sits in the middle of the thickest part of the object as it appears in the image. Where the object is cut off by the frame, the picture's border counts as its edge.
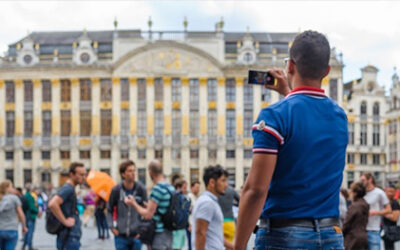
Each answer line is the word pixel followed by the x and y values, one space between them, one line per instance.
pixel 308 133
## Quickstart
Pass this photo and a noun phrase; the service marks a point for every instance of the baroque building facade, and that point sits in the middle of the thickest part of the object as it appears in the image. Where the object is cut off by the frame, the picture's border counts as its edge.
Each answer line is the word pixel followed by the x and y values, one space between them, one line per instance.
pixel 104 96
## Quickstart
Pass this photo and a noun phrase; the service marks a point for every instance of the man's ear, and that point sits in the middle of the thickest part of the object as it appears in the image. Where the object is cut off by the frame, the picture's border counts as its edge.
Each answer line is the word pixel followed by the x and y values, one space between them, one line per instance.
pixel 327 71
pixel 291 67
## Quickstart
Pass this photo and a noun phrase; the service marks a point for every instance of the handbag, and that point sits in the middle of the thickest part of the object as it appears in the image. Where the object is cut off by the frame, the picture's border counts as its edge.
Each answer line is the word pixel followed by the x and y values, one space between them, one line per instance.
pixel 146 230
pixel 391 233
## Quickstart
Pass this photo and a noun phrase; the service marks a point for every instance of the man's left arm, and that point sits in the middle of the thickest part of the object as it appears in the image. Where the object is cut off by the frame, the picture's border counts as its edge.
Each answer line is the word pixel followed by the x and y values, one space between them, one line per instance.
pixel 253 196
pixel 387 208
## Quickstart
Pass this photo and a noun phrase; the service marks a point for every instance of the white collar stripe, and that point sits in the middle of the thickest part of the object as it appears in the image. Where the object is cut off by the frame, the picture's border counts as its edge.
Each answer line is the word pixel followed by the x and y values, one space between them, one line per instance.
pixel 264 150
pixel 307 92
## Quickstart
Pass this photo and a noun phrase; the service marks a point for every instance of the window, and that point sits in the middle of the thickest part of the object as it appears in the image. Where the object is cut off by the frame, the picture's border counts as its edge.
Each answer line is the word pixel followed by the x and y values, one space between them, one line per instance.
pixel 194 124
pixel 106 90
pixel 46 91
pixel 230 90
pixel 265 95
pixel 142 124
pixel 333 89
pixel 106 122
pixel 351 133
pixel 86 89
pixel 375 159
pixel 46 155
pixel 125 122
pixel 142 175
pixel 46 177
pixel 10 123
pixel 350 158
pixel 46 124
pixel 84 154
pixel 248 98
pixel 375 112
pixel 176 126
pixel 28 124
pixel 27 155
pixel 176 90
pixel 194 154
pixel 27 175
pixel 212 125
pixel 105 154
pixel 9 155
pixel 65 90
pixel 231 176
pixel 158 90
pixel 212 90
pixel 64 155
pixel 248 154
pixel 363 111
pixel 212 154
pixel 230 125
pixel 176 154
pixel 142 154
pixel 141 85
pixel 375 135
pixel 124 154
pixel 159 126
pixel 10 174
pixel 158 154
pixel 363 159
pixel 194 175
pixel 65 123
pixel 10 91
pixel 86 123
pixel 194 93
pixel 363 134
pixel 124 89
pixel 28 91
pixel 247 123
pixel 230 154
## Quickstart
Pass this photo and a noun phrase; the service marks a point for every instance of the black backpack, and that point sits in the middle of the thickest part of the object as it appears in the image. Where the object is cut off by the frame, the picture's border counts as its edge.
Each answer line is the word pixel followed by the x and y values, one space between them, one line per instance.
pixel 177 215
pixel 53 225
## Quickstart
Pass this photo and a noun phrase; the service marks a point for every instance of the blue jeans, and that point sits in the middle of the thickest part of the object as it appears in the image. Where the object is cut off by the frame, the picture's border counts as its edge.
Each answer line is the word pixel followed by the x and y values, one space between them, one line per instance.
pixel 299 238
pixel 8 239
pixel 102 226
pixel 374 240
pixel 124 243
pixel 29 235
pixel 72 243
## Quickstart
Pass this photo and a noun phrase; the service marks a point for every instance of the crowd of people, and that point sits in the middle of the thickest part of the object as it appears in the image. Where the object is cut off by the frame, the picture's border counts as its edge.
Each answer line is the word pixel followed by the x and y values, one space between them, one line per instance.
pixel 291 198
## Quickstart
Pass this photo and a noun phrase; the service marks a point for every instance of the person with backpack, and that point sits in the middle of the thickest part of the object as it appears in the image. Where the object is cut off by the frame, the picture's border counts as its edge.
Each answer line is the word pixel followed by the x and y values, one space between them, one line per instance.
pixel 31 213
pixel 101 222
pixel 157 207
pixel 63 207
pixel 179 235
pixel 123 219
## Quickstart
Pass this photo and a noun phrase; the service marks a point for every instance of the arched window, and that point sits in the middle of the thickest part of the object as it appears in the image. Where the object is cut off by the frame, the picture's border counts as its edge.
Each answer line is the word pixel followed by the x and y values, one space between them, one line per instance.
pixel 363 111
pixel 376 109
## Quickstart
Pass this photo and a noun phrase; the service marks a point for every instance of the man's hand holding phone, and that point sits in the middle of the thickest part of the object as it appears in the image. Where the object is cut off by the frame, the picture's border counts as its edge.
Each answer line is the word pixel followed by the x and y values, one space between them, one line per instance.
pixel 282 84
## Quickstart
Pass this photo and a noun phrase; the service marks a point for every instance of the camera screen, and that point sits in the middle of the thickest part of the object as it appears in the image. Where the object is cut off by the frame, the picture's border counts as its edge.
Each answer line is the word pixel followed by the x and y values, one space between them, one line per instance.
pixel 260 77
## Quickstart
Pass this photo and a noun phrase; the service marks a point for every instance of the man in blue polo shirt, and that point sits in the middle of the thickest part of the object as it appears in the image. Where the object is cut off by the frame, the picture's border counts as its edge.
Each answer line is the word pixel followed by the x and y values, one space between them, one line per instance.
pixel 299 156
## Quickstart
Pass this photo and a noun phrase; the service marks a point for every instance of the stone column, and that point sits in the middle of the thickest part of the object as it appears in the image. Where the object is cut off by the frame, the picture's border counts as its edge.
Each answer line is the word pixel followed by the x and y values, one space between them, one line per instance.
pixel 95 151
pixel 37 98
pixel 2 126
pixel 221 111
pixel 75 114
pixel 239 132
pixel 116 116
pixel 185 151
pixel 18 155
pixel 203 151
pixel 167 158
pixel 55 161
pixel 150 123
pixel 133 96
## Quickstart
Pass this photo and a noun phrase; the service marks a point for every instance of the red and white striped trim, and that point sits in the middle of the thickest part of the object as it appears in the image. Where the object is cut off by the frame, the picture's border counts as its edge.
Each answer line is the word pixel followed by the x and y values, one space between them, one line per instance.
pixel 307 91
pixel 272 131
pixel 265 150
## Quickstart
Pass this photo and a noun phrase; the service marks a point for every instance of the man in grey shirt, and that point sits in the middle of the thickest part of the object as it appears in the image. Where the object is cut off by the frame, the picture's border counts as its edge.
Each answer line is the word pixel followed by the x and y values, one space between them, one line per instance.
pixel 207 221
pixel 378 206
pixel 226 202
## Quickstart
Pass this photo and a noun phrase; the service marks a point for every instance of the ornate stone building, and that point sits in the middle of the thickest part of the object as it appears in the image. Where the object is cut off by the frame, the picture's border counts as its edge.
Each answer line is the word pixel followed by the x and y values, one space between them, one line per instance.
pixel 103 96
pixel 366 106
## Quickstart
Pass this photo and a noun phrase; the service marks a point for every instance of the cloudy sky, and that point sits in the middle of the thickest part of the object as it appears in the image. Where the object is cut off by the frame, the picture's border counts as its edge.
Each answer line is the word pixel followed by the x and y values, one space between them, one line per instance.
pixel 366 32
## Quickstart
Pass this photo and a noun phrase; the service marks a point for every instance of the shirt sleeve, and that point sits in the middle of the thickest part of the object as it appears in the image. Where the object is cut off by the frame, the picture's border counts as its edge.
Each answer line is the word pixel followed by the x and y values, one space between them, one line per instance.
pixel 17 201
pixel 65 192
pixel 156 194
pixel 204 211
pixel 395 205
pixel 384 199
pixel 267 136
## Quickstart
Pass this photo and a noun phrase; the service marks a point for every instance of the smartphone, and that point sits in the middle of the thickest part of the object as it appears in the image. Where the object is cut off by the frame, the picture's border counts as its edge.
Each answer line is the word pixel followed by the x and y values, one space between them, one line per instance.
pixel 261 77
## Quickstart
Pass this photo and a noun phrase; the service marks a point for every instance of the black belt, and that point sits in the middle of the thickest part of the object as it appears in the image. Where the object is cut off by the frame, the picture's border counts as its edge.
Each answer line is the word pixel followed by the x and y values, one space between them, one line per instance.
pixel 276 223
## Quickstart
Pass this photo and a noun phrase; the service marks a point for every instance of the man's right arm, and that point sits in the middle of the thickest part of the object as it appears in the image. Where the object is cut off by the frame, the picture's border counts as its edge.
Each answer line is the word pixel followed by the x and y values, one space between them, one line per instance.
pixel 112 203
pixel 55 207
pixel 201 234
